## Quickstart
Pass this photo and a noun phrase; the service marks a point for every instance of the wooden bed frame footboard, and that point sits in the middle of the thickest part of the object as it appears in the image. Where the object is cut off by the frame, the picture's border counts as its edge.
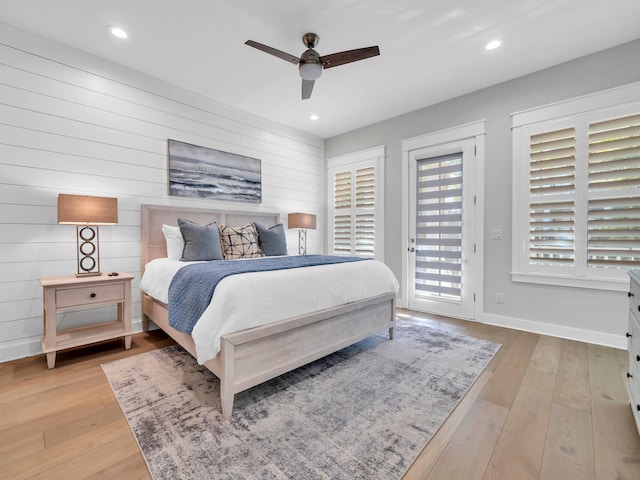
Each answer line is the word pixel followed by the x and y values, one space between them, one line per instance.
pixel 253 356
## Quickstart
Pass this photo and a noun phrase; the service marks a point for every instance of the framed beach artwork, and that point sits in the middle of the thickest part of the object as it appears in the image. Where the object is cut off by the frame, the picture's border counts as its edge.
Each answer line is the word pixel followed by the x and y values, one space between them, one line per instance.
pixel 207 173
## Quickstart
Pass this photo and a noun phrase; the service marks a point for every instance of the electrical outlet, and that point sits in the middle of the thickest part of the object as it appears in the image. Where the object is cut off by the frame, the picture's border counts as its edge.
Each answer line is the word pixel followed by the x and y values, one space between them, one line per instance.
pixel 496 234
pixel 499 297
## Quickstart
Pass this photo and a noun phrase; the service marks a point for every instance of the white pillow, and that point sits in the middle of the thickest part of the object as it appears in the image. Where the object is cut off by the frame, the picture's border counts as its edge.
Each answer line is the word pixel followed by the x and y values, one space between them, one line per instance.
pixel 175 242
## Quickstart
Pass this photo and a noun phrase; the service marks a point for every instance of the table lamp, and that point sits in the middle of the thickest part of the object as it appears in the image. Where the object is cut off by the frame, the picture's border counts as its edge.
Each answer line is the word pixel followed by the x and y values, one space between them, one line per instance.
pixel 302 221
pixel 87 213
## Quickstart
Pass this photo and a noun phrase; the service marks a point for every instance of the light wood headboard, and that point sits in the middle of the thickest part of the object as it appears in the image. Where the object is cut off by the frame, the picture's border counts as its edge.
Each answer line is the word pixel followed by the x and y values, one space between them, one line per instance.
pixel 153 244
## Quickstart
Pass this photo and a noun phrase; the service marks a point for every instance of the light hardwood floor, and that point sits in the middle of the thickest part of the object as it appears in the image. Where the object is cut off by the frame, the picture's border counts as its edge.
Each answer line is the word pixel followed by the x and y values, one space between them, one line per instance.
pixel 545 408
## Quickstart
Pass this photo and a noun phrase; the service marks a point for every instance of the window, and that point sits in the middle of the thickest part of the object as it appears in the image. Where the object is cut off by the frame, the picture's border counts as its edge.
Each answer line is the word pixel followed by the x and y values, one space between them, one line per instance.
pixel 356 225
pixel 577 192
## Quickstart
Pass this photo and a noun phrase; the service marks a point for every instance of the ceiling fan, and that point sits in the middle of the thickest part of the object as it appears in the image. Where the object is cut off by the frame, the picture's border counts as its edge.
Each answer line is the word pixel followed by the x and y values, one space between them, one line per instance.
pixel 311 63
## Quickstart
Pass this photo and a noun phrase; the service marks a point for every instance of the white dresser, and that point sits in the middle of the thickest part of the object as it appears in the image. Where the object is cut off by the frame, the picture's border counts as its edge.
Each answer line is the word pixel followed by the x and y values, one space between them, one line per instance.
pixel 633 337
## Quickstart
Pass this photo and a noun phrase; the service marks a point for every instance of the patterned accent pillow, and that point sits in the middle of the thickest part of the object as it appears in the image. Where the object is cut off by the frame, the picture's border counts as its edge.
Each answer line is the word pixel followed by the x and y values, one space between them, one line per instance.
pixel 240 242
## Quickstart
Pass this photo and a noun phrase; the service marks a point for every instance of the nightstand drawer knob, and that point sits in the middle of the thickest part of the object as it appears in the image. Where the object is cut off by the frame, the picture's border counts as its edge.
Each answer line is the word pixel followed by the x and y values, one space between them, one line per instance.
pixel 93 295
pixel 629 375
pixel 637 358
pixel 638 407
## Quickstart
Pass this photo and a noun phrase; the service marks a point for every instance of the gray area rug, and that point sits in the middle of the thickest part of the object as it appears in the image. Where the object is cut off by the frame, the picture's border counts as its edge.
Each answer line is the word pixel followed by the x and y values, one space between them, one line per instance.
pixel 364 412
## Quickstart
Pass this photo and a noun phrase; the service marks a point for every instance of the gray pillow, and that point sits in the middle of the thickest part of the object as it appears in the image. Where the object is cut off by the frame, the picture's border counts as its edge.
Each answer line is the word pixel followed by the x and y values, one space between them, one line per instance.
pixel 272 240
pixel 200 242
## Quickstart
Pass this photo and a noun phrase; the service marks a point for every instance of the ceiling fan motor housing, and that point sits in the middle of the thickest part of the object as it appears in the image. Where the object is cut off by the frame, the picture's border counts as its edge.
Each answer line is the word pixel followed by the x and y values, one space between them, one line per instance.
pixel 310 65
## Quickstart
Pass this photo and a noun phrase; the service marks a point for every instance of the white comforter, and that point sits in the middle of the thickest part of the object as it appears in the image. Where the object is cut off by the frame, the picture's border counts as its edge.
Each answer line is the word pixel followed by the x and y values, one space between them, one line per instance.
pixel 252 299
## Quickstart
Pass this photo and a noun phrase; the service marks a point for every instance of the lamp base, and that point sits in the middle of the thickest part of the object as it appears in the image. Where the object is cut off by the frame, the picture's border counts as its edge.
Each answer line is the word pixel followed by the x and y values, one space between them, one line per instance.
pixel 302 242
pixel 88 250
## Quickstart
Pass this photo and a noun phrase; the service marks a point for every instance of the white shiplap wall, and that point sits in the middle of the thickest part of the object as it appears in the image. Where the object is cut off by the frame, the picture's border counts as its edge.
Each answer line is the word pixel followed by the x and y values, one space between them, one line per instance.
pixel 73 123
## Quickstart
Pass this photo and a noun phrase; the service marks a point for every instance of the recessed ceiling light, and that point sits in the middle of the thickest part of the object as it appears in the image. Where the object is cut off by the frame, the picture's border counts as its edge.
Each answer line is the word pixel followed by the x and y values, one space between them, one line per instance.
pixel 118 32
pixel 314 117
pixel 493 44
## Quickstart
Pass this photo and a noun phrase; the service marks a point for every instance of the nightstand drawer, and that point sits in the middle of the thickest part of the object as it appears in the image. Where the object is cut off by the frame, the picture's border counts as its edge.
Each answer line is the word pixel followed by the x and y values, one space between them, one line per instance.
pixel 72 297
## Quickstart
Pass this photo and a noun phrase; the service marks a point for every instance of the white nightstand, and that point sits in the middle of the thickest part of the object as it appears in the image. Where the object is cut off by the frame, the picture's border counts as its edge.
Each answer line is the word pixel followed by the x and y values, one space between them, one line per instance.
pixel 73 293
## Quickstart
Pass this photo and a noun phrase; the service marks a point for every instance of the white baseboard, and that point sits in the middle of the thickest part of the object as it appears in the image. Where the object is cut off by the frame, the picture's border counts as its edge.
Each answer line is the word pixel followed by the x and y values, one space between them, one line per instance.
pixel 570 333
pixel 33 346
pixel 20 349
pixel 560 331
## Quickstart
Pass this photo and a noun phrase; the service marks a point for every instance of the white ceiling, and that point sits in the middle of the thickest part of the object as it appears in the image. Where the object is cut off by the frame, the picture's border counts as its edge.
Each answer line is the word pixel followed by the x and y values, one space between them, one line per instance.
pixel 431 50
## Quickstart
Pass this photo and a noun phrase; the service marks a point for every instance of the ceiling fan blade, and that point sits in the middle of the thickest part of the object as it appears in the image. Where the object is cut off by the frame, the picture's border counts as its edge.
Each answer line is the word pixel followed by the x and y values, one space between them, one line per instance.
pixel 348 56
pixel 273 51
pixel 307 88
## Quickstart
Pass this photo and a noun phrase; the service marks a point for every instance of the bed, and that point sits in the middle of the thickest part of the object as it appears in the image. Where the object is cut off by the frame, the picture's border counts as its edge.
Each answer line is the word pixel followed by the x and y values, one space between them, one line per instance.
pixel 254 355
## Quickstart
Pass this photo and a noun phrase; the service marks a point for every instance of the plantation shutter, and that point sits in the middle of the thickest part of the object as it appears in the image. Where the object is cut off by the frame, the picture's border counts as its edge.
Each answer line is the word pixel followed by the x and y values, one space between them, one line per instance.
pixel 438 267
pixel 354 202
pixel 552 173
pixel 613 232
pixel 342 238
pixel 365 221
pixel 355 190
pixel 576 191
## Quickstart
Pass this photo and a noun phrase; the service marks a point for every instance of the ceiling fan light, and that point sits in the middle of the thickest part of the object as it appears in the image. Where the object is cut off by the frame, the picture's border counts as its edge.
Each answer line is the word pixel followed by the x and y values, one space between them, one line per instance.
pixel 310 71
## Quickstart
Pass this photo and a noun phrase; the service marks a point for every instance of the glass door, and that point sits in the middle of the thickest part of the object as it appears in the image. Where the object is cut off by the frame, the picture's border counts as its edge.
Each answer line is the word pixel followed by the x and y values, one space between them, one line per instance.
pixel 441 258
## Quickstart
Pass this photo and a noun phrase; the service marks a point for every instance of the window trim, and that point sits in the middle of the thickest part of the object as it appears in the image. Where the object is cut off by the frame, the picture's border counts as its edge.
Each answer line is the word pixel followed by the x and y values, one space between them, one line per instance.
pixel 615 102
pixel 374 156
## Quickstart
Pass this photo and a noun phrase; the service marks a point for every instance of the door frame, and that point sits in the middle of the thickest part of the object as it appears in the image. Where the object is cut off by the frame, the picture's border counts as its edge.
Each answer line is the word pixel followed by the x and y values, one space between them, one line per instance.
pixel 476 131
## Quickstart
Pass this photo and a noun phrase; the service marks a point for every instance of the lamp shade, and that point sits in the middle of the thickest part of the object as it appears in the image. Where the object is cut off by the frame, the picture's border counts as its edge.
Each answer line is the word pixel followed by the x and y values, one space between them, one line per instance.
pixel 306 221
pixel 87 210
